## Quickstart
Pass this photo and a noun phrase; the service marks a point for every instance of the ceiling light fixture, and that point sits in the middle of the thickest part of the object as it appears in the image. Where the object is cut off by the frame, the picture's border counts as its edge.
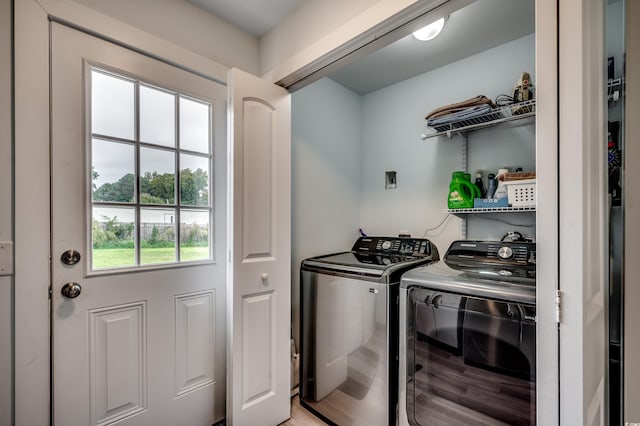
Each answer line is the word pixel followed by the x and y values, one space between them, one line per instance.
pixel 431 31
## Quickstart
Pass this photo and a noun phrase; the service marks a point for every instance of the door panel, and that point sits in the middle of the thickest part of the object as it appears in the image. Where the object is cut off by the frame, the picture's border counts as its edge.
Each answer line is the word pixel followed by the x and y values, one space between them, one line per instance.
pixel 194 334
pixel 258 346
pixel 260 264
pixel 117 356
pixel 259 140
pixel 144 344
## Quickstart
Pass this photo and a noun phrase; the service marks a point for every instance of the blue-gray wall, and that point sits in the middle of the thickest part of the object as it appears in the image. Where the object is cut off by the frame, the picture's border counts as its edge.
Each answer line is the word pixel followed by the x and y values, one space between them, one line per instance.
pixel 325 182
pixel 393 120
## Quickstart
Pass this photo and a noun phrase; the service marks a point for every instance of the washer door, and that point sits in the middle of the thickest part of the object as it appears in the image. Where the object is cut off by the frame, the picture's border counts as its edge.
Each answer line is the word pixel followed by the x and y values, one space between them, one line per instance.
pixel 468 360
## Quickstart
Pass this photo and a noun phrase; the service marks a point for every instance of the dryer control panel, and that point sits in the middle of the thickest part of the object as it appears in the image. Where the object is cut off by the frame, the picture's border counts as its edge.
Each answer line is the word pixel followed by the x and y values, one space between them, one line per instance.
pixel 394 246
pixel 499 254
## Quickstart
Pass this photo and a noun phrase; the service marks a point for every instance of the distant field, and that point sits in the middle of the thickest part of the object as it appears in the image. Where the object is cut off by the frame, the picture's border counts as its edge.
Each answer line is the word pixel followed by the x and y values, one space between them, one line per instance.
pixel 112 258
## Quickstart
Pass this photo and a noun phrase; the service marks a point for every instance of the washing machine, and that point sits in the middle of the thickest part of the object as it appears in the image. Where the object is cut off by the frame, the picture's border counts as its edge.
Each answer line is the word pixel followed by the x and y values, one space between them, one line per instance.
pixel 349 329
pixel 468 337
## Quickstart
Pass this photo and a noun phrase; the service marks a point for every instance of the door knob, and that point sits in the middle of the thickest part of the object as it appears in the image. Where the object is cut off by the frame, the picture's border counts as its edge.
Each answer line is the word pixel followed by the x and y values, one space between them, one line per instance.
pixel 71 290
pixel 70 257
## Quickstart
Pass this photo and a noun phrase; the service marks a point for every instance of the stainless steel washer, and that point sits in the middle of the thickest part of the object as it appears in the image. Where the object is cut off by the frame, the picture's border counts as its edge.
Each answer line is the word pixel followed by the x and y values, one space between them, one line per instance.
pixel 349 329
pixel 468 337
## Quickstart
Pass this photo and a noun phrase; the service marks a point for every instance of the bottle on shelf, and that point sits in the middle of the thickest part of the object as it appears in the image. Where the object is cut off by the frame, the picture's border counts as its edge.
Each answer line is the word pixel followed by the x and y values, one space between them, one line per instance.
pixel 501 188
pixel 461 191
pixel 492 186
pixel 480 184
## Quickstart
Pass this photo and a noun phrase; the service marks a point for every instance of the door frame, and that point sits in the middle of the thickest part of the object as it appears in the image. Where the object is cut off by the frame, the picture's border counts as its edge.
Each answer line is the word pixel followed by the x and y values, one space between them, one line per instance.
pixel 631 340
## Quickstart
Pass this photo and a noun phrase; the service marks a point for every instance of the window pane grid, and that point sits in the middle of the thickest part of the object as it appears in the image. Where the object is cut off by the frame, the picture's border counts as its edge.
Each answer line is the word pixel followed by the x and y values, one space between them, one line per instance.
pixel 165 229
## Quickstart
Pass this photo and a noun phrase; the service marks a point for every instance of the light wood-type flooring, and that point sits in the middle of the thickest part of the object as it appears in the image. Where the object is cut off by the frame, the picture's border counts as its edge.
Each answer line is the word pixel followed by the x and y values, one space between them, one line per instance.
pixel 300 416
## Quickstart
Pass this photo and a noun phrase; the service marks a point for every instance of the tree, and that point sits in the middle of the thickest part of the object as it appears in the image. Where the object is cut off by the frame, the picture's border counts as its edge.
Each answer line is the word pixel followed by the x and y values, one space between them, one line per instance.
pixel 194 187
pixel 157 188
pixel 120 191
pixel 94 177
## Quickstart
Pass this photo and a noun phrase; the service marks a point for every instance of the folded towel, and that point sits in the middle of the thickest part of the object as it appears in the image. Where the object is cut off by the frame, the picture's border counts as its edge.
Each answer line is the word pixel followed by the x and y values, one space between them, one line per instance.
pixel 514 176
pixel 460 106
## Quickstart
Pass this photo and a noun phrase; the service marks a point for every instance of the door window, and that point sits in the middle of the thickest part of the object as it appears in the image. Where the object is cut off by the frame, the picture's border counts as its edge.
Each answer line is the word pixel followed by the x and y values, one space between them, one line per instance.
pixel 150 174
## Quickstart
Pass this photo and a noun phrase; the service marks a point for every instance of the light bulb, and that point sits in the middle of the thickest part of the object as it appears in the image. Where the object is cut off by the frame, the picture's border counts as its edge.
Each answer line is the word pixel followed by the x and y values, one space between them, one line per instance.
pixel 430 31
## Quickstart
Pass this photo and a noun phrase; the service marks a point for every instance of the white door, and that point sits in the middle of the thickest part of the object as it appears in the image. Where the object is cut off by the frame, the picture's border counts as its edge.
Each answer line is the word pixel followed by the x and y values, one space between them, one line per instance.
pixel 260 251
pixel 583 214
pixel 138 222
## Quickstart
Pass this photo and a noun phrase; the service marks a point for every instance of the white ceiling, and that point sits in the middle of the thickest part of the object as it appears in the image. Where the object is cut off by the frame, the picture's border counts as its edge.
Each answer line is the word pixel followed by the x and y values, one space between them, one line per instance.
pixel 480 26
pixel 255 17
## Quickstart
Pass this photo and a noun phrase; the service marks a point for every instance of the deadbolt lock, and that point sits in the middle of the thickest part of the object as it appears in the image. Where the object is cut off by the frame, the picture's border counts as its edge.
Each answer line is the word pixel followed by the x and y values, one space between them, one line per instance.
pixel 70 257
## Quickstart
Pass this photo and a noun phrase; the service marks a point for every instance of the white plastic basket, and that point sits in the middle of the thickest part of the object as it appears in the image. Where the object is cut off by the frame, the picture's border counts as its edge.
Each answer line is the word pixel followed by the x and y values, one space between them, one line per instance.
pixel 521 193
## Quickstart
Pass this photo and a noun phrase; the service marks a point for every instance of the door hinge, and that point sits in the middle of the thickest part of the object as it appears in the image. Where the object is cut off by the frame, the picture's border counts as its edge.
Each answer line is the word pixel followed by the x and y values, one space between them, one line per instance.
pixel 558 301
pixel 6 257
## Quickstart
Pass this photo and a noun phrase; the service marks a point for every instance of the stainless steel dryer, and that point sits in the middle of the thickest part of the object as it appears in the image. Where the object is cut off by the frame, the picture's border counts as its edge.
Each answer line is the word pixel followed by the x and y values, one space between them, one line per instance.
pixel 349 329
pixel 468 337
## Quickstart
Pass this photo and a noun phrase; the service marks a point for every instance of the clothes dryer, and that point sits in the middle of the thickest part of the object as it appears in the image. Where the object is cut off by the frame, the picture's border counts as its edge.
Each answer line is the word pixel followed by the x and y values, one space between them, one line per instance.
pixel 468 337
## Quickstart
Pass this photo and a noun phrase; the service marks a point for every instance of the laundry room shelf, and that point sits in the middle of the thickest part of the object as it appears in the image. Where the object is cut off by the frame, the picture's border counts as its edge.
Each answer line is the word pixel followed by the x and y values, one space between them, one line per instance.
pixel 490 210
pixel 504 114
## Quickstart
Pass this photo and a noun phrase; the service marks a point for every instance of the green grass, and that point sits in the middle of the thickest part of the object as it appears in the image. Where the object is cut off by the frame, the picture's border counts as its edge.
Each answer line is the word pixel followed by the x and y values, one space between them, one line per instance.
pixel 122 257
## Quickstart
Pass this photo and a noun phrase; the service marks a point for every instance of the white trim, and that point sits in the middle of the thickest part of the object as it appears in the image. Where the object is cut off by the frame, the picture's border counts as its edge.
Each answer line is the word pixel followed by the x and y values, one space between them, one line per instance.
pixel 631 290
pixel 6 215
pixel 81 17
pixel 547 211
pixel 32 219
pixel 338 50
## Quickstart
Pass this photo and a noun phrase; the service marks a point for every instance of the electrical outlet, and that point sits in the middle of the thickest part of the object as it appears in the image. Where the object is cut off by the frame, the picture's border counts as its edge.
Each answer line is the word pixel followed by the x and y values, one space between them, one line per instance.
pixel 390 181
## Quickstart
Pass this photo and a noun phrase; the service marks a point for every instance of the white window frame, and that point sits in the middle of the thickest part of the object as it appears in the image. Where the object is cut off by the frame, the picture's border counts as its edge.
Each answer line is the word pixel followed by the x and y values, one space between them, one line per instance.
pixel 137 206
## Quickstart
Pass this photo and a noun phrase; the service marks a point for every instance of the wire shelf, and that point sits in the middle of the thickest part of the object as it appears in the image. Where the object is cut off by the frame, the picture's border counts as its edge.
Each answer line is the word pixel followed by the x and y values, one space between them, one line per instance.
pixel 490 210
pixel 503 114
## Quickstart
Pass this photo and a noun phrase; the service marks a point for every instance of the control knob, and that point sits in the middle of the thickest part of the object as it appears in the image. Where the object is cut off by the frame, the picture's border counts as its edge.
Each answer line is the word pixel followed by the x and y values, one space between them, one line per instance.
pixel 505 252
pixel 386 245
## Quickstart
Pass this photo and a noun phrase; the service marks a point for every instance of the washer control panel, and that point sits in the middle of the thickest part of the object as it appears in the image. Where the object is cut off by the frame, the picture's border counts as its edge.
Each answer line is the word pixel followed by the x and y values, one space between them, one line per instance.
pixel 394 246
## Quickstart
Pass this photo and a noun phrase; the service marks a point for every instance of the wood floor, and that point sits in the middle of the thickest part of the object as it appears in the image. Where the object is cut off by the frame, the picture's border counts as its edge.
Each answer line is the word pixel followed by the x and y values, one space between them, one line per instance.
pixel 300 416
